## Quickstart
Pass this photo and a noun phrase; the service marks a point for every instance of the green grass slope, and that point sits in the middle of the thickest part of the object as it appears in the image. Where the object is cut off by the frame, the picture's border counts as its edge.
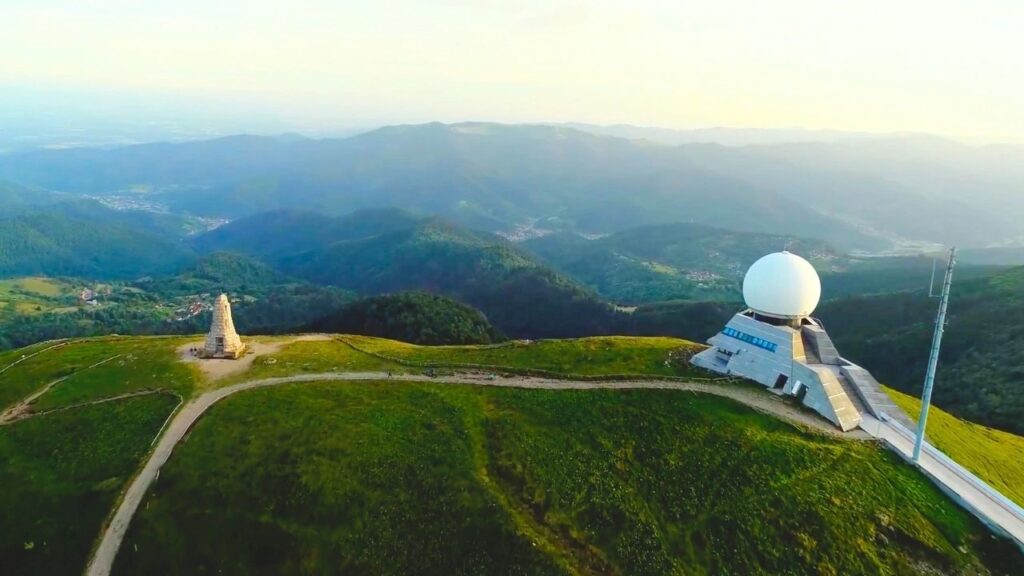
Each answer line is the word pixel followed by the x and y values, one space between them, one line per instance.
pixel 995 456
pixel 596 356
pixel 61 474
pixel 93 369
pixel 393 478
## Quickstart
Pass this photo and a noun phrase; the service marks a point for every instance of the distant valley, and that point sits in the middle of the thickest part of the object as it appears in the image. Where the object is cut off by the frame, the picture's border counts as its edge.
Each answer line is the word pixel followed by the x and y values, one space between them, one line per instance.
pixel 868 194
pixel 617 235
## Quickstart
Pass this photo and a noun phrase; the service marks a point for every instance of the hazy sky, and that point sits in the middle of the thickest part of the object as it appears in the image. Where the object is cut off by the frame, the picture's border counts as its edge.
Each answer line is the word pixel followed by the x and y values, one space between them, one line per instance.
pixel 953 68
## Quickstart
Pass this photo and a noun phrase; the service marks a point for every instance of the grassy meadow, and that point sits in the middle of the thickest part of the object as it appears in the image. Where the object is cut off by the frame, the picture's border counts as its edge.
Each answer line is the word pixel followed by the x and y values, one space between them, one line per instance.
pixel 399 478
pixel 94 369
pixel 60 475
pixel 601 355
pixel 312 357
pixel 995 456
pixel 35 295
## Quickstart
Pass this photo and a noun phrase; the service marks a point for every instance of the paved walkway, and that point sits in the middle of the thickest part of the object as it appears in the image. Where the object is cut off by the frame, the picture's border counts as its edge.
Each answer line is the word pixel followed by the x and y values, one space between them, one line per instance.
pixel 994 509
pixel 103 559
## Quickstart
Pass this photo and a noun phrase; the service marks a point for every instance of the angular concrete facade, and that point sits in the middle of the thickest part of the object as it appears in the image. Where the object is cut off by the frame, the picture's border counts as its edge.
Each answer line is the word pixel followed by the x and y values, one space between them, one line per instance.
pixel 222 341
pixel 796 358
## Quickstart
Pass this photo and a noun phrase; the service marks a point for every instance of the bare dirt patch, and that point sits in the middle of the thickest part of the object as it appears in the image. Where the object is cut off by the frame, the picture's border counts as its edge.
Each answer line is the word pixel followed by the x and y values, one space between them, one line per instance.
pixel 216 368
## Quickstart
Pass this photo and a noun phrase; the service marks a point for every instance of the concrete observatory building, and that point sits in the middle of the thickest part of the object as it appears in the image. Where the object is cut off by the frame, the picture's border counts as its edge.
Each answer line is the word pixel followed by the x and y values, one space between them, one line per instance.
pixel 777 343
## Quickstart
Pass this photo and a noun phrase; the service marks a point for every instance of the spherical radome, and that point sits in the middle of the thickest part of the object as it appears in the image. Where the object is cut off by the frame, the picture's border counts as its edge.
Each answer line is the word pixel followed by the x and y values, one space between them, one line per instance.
pixel 782 285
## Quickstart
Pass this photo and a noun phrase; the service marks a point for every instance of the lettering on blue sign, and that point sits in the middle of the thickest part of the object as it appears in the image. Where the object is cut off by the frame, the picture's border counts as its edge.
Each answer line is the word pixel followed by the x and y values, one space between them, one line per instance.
pixel 750 339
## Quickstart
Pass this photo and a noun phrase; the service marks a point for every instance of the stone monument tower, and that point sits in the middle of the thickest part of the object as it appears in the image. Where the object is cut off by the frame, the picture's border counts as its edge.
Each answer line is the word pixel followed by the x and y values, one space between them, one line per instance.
pixel 222 341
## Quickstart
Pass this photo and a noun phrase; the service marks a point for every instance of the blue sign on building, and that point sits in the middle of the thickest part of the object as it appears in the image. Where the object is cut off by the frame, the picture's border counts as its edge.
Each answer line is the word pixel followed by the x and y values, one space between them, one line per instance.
pixel 749 339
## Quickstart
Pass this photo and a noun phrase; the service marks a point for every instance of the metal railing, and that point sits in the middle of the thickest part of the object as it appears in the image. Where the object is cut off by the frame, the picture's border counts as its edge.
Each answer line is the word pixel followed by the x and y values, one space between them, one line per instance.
pixel 965 474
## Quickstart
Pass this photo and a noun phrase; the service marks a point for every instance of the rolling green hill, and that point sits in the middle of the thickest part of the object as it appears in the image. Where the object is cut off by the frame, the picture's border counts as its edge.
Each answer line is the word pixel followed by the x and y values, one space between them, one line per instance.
pixel 53 234
pixel 13 196
pixel 82 240
pixel 281 233
pixel 390 251
pixel 518 295
pixel 670 261
pixel 61 475
pixel 694 262
pixel 415 317
pixel 394 478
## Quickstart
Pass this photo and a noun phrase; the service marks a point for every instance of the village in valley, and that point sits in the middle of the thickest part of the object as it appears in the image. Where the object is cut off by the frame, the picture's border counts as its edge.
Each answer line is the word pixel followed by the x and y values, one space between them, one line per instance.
pixel 38 295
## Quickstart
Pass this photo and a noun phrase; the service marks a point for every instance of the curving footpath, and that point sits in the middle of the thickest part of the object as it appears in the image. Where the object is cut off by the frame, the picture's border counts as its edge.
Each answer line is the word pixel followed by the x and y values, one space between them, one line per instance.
pixel 102 560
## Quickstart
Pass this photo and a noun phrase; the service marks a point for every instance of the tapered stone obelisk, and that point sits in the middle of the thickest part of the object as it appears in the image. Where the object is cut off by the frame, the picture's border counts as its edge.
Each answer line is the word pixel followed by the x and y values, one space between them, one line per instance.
pixel 222 340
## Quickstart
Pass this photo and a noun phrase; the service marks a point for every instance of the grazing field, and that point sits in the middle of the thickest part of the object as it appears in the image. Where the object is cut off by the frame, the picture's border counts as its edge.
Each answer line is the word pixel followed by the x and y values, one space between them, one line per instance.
pixel 398 478
pixel 604 355
pixel 60 474
pixel 34 295
pixel 96 368
pixel 311 357
pixel 997 457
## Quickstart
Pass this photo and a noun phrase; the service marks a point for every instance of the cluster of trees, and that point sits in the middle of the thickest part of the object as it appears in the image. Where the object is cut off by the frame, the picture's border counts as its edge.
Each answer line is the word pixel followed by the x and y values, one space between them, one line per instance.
pixel 415 317
pixel 981 369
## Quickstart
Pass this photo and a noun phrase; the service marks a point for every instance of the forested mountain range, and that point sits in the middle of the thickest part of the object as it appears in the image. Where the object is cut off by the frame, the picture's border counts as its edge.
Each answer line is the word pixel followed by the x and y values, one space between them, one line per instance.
pixel 390 251
pixel 497 177
pixel 670 261
pixel 697 262
pixel 13 197
pixel 559 285
pixel 300 266
pixel 981 375
pixel 414 317
pixel 82 238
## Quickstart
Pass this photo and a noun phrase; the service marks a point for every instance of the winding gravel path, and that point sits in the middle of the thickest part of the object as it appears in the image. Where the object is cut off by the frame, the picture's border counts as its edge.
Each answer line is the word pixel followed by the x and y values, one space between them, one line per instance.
pixel 103 559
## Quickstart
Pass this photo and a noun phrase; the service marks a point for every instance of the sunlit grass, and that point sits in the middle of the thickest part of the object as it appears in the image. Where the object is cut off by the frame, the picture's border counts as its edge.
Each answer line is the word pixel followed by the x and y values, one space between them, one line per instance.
pixel 997 457
pixel 60 475
pixel 605 355
pixel 97 368
pixel 398 478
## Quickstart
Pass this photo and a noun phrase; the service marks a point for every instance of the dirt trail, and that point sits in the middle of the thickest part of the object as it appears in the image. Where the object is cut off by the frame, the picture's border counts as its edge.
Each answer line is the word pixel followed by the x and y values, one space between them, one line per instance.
pixel 24 358
pixel 103 559
pixel 23 409
pixel 215 369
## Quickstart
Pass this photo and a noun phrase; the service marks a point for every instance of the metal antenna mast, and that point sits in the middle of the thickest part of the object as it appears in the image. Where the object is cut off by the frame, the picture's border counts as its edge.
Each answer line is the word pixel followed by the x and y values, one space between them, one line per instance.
pixel 933 358
pixel 931 285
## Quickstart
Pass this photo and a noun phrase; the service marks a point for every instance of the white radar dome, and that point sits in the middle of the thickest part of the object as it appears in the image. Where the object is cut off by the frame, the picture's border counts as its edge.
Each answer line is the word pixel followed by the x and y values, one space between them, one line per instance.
pixel 782 285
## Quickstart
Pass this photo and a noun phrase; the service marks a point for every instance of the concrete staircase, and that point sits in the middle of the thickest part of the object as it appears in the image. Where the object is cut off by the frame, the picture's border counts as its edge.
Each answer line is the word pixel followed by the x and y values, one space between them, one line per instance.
pixel 875 400
pixel 816 339
pixel 837 400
